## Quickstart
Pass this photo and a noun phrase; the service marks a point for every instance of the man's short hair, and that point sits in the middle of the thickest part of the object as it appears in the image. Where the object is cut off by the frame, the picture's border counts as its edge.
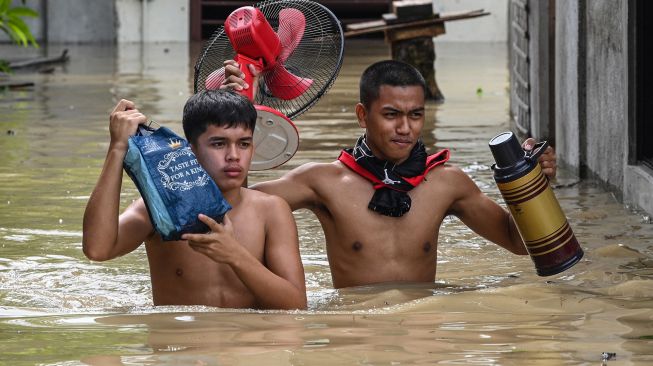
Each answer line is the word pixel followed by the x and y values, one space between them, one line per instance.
pixel 389 72
pixel 224 108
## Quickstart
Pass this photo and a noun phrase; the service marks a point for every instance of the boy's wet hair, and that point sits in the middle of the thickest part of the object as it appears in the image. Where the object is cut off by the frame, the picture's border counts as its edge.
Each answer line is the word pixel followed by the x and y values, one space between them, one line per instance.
pixel 389 72
pixel 223 108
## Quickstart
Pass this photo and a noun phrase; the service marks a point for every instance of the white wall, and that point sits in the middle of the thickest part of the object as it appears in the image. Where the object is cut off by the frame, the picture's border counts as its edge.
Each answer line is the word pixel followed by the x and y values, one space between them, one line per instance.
pixel 490 28
pixel 163 20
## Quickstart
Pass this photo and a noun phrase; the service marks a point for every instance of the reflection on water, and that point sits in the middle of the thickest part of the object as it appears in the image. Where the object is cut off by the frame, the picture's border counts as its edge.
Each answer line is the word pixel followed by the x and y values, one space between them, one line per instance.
pixel 486 306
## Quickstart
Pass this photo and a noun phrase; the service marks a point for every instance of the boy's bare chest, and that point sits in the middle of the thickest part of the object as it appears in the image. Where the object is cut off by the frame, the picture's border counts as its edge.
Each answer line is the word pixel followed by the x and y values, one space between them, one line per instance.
pixel 181 275
pixel 179 261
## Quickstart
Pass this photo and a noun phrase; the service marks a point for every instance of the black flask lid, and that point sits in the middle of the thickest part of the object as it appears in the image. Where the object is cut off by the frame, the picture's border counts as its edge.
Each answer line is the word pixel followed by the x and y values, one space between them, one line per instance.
pixel 507 151
pixel 512 161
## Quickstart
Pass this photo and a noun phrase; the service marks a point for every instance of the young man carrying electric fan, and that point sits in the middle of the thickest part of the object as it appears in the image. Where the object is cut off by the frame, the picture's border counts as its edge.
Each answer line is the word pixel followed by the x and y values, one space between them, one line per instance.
pixel 383 235
pixel 251 260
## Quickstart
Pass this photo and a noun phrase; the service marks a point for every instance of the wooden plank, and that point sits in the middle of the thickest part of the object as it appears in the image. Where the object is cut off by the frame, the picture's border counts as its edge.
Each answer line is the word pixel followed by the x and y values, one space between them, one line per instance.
pixel 366 25
pixel 443 18
pixel 401 34
pixel 391 18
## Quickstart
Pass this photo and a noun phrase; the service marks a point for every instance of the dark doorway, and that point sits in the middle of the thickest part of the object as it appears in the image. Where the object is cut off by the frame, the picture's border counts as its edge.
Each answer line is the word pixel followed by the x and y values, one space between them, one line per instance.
pixel 644 82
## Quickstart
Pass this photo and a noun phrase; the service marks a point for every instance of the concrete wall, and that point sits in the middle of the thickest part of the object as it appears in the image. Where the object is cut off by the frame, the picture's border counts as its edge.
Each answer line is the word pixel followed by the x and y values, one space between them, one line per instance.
pixel 592 97
pixel 638 187
pixel 569 81
pixel 541 71
pixel 490 28
pixel 108 21
pixel 81 21
pixel 606 88
pixel 153 20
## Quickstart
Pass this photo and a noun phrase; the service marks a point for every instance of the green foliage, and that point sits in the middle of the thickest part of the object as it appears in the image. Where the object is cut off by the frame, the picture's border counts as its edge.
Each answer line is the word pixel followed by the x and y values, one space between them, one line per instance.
pixel 12 23
pixel 4 66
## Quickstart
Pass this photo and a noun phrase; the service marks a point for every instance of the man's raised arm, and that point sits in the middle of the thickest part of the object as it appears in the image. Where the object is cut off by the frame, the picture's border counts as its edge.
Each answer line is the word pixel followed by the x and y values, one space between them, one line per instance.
pixel 481 214
pixel 296 187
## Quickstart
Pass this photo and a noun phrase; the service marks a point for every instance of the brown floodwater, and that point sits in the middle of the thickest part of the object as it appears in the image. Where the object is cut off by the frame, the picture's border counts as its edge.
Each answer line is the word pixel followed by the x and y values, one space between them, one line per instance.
pixel 485 306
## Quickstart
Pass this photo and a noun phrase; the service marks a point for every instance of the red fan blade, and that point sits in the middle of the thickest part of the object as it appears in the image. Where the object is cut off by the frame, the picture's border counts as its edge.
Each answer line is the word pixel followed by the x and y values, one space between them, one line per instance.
pixel 215 79
pixel 285 85
pixel 291 30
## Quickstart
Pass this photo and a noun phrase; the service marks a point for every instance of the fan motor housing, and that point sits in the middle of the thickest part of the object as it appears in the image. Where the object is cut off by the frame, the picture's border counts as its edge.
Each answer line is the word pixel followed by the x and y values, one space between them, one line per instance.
pixel 251 35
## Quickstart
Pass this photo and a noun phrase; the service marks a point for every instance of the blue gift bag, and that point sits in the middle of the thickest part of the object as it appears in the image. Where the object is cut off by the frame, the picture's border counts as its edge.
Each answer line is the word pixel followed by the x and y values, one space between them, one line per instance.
pixel 171 181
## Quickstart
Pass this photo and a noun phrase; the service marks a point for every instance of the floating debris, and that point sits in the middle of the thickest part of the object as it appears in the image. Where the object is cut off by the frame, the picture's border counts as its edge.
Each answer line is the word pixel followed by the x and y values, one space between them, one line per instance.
pixel 63 58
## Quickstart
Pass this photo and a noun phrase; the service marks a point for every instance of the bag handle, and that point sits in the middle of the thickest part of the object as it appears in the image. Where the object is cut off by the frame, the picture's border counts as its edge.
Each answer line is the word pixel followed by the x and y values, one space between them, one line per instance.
pixel 146 129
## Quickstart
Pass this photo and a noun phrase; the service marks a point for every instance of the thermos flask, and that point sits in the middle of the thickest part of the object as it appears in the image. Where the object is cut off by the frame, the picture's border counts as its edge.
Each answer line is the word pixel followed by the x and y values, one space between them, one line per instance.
pixel 541 223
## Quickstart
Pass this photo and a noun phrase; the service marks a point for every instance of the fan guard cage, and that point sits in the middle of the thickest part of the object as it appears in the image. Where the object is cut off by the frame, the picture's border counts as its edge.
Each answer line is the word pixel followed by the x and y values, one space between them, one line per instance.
pixel 318 56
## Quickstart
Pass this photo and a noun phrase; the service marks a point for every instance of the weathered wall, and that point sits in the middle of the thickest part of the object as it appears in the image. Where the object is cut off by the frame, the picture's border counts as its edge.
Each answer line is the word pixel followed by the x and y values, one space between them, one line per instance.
pixel 153 20
pixel 108 21
pixel 638 187
pixel 593 110
pixel 606 88
pixel 569 81
pixel 81 21
pixel 490 28
pixel 541 71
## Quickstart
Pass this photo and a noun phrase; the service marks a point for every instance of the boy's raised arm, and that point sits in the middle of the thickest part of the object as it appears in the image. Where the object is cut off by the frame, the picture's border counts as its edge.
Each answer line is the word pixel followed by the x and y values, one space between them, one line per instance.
pixel 105 236
pixel 282 258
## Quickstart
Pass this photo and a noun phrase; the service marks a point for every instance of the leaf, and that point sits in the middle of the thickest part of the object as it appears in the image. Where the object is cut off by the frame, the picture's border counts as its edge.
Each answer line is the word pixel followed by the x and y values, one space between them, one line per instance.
pixel 12 24
pixel 4 67
pixel 4 5
pixel 27 36
pixel 17 35
pixel 22 12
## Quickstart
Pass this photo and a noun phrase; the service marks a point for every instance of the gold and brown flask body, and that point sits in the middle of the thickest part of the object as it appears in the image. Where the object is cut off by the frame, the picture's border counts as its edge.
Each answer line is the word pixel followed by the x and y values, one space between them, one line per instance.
pixel 541 222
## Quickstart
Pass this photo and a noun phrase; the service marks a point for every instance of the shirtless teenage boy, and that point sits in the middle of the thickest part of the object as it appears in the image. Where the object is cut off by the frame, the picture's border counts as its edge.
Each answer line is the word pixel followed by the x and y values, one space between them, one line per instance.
pixel 390 243
pixel 250 261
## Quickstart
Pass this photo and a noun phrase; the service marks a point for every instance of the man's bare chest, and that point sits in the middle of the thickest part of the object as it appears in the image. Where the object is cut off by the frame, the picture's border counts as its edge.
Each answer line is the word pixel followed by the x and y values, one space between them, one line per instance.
pixel 351 195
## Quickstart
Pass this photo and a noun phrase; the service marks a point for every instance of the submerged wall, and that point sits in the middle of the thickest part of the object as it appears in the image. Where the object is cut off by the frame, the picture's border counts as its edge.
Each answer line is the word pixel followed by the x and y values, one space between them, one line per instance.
pixel 490 28
pixel 569 80
pixel 591 88
pixel 593 97
pixel 153 20
pixel 80 21
pixel 607 90
pixel 108 21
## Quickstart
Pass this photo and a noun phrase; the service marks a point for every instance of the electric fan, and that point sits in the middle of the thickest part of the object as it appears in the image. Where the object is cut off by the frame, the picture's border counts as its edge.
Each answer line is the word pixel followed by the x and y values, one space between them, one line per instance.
pixel 297 45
